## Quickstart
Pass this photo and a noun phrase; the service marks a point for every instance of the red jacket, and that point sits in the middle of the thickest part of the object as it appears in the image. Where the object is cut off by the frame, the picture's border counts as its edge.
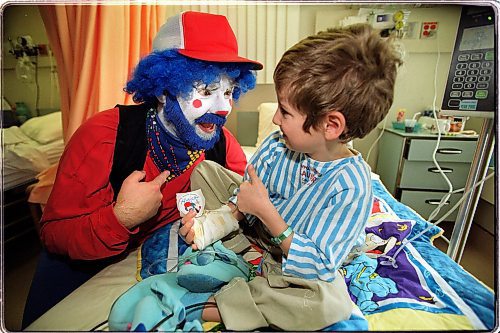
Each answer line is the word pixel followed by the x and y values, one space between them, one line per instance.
pixel 79 221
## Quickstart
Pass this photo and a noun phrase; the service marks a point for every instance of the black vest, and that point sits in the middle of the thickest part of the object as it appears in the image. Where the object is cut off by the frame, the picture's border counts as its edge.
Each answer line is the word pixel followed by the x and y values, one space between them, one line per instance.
pixel 131 145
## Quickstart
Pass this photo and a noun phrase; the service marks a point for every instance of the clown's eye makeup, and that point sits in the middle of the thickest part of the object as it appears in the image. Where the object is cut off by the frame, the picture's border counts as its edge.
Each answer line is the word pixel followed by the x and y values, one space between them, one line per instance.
pixel 229 92
pixel 206 90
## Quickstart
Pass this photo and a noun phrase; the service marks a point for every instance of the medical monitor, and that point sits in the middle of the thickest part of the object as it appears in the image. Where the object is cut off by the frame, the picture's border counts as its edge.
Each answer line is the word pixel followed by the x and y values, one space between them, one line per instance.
pixel 471 85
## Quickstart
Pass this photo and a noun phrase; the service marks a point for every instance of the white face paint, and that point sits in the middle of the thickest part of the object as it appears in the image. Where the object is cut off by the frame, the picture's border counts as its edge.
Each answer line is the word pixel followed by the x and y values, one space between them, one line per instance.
pixel 215 98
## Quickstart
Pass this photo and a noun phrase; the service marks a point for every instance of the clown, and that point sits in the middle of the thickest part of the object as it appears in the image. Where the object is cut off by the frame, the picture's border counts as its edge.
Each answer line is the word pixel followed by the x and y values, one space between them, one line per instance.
pixel 193 91
pixel 118 178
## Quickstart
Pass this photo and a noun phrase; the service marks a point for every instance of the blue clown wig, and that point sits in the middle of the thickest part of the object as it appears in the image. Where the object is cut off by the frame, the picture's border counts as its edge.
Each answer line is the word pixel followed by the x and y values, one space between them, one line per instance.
pixel 169 71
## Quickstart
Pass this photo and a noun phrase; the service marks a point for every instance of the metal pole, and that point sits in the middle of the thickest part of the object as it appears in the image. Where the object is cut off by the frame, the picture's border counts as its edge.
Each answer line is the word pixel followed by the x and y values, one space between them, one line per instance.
pixel 467 209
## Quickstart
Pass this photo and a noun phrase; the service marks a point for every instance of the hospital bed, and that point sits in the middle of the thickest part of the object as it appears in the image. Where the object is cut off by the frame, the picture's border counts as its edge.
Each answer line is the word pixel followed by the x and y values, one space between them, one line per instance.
pixel 400 281
pixel 31 148
pixel 27 150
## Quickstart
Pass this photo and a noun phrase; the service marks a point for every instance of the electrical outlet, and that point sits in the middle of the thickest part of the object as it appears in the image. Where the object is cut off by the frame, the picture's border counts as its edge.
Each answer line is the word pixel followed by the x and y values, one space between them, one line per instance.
pixel 429 30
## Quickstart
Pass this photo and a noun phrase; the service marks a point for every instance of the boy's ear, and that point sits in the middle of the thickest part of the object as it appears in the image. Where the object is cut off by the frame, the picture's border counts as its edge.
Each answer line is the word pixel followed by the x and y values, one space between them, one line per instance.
pixel 334 125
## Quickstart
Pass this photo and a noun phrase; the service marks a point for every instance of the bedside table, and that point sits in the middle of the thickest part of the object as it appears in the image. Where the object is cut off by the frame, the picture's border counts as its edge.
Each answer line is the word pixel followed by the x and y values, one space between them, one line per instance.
pixel 406 168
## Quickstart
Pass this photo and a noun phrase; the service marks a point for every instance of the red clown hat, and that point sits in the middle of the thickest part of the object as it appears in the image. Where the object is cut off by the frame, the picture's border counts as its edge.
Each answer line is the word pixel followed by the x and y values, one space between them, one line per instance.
pixel 201 36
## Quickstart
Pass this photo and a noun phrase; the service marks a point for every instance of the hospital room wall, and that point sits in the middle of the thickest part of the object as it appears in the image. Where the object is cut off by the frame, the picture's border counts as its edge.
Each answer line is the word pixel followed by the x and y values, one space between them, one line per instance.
pixel 414 89
pixel 25 20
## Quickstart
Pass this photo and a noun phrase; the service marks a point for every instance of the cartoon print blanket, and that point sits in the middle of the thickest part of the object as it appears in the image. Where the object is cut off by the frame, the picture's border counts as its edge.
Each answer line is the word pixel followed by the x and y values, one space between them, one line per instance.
pixel 412 286
pixel 397 285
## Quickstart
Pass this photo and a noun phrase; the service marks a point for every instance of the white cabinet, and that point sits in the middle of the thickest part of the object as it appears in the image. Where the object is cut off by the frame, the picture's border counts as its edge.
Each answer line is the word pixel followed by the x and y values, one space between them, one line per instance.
pixel 406 168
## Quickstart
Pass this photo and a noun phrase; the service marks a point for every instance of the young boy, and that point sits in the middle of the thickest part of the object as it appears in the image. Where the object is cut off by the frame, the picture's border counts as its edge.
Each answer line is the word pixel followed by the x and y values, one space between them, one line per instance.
pixel 305 192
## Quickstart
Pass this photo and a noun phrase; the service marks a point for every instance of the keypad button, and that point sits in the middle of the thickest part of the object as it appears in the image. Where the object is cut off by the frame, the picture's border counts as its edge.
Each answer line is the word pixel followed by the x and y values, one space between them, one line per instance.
pixel 490 55
pixel 467 94
pixel 481 94
pixel 482 85
pixel 476 56
pixel 487 64
pixel 462 65
pixel 469 86
pixel 455 94
pixel 473 65
pixel 484 79
pixel 457 86
pixel 460 73
pixel 485 71
pixel 453 103
pixel 471 78
pixel 463 57
pixel 473 72
pixel 458 79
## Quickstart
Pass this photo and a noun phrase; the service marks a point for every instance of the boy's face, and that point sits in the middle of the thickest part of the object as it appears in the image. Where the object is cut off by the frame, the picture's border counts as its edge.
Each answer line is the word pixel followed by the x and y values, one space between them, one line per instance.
pixel 290 121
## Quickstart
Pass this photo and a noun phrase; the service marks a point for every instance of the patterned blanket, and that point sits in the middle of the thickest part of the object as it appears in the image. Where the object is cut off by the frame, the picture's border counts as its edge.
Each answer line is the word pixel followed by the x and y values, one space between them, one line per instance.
pixel 402 282
pixel 398 279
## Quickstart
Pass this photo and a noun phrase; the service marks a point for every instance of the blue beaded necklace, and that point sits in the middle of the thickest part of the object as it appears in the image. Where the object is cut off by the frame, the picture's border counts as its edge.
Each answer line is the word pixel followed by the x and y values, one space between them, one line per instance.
pixel 167 151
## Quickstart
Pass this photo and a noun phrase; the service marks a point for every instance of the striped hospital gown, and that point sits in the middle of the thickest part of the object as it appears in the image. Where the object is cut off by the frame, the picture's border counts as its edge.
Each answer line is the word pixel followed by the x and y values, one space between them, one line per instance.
pixel 327 205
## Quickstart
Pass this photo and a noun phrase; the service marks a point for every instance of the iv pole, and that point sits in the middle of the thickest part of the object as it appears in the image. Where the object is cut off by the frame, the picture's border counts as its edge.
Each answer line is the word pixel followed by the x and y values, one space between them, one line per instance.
pixel 467 209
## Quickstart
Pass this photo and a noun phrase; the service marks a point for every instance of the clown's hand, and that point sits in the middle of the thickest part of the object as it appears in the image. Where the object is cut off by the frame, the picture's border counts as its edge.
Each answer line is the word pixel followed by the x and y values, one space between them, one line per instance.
pixel 208 228
pixel 139 201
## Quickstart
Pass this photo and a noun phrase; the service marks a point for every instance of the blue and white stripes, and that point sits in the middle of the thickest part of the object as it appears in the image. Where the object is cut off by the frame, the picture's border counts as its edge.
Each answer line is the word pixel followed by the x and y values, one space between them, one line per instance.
pixel 327 205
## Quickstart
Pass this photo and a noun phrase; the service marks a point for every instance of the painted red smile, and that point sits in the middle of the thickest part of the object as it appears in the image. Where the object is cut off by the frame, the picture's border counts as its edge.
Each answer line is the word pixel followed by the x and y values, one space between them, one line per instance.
pixel 222 113
pixel 207 127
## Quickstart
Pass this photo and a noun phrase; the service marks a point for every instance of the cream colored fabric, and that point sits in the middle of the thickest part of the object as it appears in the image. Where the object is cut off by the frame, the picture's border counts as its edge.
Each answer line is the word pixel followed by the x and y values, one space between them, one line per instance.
pixel 266 126
pixel 286 302
pixel 44 129
pixel 90 304
pixel 216 183
pixel 249 151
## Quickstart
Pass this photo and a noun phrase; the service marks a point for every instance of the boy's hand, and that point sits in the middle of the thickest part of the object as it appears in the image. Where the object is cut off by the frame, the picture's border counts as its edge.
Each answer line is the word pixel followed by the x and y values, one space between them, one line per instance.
pixel 253 197
pixel 186 231
pixel 236 213
pixel 139 201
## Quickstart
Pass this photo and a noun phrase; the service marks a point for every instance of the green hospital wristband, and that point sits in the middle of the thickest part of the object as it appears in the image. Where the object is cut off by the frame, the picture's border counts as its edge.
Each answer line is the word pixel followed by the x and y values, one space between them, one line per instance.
pixel 281 237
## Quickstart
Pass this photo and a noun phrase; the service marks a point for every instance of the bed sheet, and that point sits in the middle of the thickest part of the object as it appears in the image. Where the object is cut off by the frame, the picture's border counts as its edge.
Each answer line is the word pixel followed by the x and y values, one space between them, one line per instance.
pixel 443 296
pixel 23 157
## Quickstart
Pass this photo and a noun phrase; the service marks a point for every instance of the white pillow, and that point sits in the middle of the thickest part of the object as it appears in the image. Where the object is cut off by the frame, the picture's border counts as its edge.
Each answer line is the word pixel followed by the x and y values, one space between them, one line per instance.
pixel 44 129
pixel 266 126
pixel 13 135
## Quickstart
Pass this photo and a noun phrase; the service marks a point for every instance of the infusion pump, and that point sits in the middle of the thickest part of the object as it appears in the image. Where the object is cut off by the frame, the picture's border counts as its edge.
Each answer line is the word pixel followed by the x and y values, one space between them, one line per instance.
pixel 471 85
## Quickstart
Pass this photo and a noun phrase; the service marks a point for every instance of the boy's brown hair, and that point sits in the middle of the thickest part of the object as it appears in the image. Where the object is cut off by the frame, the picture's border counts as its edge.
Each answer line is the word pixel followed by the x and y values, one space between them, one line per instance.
pixel 351 70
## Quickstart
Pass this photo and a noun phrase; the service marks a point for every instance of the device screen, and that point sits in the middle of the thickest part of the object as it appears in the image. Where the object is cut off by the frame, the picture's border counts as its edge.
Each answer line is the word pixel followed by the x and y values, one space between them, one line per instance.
pixel 477 38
